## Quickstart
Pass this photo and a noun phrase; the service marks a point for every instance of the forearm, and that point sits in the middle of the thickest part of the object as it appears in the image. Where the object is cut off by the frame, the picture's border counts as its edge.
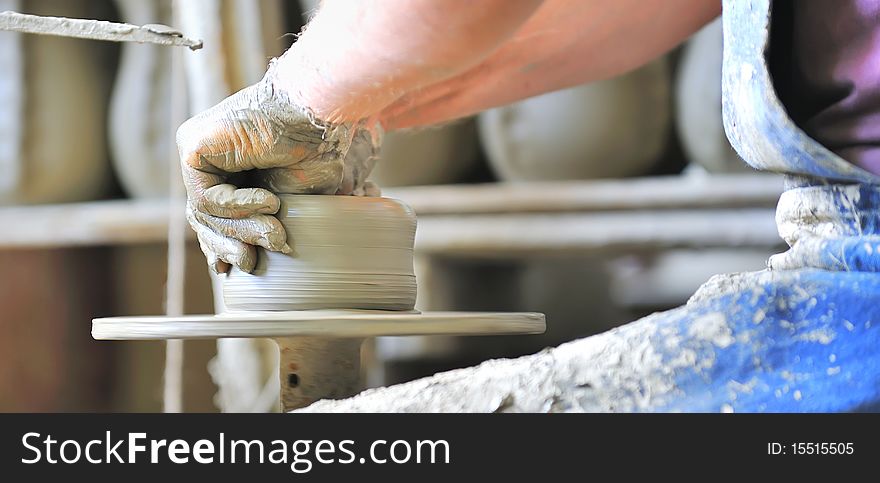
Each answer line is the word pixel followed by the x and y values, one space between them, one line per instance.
pixel 358 56
pixel 565 43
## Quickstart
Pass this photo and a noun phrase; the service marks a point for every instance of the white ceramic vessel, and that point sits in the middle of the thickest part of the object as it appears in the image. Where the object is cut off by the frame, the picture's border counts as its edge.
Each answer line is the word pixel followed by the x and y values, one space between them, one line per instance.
pixel 698 104
pixel 614 128
pixel 435 155
pixel 52 112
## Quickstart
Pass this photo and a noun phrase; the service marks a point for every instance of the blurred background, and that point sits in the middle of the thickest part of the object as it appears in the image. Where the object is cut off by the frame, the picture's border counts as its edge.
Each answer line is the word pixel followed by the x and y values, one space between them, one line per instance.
pixel 596 205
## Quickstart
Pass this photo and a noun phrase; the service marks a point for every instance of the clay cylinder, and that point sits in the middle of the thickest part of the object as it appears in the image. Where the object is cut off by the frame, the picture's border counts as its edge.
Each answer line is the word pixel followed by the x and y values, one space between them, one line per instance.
pixel 349 252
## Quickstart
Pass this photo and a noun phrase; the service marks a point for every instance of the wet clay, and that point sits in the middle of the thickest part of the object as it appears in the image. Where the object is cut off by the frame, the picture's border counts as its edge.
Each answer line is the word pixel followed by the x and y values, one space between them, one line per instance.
pixel 348 252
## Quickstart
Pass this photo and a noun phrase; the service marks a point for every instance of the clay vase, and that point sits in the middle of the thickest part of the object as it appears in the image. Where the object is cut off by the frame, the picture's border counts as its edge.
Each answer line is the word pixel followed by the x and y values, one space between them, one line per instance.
pixel 349 252
pixel 141 128
pixel 52 112
pixel 436 155
pixel 613 128
pixel 698 104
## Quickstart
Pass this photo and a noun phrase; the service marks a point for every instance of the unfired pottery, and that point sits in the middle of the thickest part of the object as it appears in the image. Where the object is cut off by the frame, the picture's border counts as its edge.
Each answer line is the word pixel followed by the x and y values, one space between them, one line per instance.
pixel 141 128
pixel 52 112
pixel 698 104
pixel 348 253
pixel 435 155
pixel 614 128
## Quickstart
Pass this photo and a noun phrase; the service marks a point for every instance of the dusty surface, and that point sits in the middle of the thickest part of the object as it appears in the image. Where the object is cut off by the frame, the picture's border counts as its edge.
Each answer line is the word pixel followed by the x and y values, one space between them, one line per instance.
pixel 616 371
pixel 801 340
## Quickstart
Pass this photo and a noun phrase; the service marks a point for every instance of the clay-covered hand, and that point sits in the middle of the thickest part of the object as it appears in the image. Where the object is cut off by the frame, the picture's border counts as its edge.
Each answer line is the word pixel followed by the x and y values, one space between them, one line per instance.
pixel 260 137
pixel 359 163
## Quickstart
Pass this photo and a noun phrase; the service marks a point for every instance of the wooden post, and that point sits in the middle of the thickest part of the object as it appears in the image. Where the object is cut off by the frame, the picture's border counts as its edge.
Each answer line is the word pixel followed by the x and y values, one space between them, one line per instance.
pixel 314 368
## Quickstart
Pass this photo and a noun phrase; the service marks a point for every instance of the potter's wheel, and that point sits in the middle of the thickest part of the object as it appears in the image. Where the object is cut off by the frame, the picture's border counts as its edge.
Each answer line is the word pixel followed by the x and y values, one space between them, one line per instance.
pixel 317 323
pixel 319 350
pixel 348 277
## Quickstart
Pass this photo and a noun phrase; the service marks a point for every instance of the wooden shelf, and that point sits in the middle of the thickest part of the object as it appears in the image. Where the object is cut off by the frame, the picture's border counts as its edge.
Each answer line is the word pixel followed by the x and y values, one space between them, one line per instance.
pixel 483 220
pixel 488 236
pixel 91 223
pixel 695 191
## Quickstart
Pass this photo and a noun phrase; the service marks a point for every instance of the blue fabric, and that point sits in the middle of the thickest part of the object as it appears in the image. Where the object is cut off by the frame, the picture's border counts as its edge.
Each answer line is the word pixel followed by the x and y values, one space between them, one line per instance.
pixel 798 341
pixel 802 335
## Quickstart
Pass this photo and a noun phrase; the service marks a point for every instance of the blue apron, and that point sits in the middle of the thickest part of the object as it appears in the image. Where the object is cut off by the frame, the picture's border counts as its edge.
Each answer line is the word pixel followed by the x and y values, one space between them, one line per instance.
pixel 803 335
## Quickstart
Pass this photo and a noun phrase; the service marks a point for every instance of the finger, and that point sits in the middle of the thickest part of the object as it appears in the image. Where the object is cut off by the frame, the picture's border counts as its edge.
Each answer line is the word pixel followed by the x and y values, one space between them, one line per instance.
pixel 261 230
pixel 227 250
pixel 215 264
pixel 359 162
pixel 205 180
pixel 371 189
pixel 219 266
pixel 227 201
pixel 218 248
pixel 314 176
pixel 209 193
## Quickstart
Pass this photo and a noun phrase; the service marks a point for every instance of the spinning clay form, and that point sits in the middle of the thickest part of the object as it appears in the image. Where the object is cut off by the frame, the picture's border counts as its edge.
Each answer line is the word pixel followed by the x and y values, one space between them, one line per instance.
pixel 349 252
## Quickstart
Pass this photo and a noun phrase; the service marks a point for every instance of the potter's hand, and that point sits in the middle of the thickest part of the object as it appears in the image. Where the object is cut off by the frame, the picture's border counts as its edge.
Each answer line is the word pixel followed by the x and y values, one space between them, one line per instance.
pixel 261 137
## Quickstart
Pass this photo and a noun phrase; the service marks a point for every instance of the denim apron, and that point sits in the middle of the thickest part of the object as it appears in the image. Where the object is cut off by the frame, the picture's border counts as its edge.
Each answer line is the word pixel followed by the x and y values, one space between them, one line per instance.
pixel 804 334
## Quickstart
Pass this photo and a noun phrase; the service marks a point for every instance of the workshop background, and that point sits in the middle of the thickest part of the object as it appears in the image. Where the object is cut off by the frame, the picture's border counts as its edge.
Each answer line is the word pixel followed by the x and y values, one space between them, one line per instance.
pixel 595 205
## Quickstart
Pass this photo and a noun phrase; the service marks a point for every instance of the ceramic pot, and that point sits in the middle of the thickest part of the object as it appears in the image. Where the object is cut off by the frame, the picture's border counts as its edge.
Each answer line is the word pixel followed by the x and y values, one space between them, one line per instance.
pixel 52 112
pixel 141 127
pixel 614 128
pixel 436 155
pixel 698 104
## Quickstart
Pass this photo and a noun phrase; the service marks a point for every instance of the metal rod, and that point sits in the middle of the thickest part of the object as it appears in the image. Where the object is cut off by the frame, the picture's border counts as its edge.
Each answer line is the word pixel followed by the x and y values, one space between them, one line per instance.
pixel 176 276
pixel 95 29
